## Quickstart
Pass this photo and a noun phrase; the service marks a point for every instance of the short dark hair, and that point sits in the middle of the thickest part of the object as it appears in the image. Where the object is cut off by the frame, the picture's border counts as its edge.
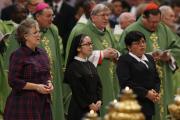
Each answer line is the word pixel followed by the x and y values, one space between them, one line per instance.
pixel 133 36
pixel 147 13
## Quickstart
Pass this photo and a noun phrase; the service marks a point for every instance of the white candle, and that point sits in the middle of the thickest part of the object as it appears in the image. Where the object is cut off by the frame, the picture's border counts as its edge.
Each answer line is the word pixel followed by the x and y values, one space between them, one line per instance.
pixel 91 111
pixel 114 101
pixel 126 88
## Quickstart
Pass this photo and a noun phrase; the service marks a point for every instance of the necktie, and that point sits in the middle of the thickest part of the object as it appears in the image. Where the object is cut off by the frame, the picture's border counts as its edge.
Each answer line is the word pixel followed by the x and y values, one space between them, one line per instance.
pixel 145 63
pixel 55 9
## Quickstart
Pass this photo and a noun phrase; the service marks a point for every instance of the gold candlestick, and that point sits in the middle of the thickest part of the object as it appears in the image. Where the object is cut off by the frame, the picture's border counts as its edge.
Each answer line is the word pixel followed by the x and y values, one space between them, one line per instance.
pixel 174 108
pixel 126 109
pixel 92 115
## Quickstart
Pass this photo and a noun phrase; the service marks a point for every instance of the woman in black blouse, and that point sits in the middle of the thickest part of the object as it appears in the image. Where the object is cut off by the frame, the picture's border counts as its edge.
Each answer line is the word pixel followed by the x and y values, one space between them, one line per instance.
pixel 83 79
pixel 138 71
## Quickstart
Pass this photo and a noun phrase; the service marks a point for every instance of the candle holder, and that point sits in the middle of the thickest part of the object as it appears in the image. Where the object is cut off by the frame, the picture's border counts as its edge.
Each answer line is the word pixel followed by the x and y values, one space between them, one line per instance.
pixel 127 108
pixel 174 108
pixel 91 116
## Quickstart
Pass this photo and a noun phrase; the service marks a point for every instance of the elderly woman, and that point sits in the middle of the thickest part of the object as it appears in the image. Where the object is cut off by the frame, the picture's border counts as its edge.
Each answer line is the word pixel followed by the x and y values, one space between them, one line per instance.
pixel 138 71
pixel 29 77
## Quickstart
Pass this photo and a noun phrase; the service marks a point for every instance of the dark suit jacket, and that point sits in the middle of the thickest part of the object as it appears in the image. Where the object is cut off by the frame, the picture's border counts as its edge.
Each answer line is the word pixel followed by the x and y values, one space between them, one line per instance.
pixel 6 13
pixel 140 78
pixel 65 21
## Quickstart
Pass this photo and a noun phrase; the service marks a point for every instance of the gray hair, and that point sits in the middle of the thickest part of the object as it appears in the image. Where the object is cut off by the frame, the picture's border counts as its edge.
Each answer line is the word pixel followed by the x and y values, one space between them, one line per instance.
pixel 164 9
pixel 126 16
pixel 24 28
pixel 99 8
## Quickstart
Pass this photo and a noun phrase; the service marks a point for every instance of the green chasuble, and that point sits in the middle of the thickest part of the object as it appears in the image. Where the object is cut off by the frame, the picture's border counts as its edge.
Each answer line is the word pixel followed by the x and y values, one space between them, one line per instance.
pixel 101 41
pixel 5 27
pixel 4 88
pixel 52 43
pixel 162 39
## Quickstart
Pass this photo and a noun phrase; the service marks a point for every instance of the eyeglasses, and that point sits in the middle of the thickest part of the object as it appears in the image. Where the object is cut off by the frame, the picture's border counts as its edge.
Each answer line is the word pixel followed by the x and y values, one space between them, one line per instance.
pixel 35 33
pixel 87 44
pixel 103 15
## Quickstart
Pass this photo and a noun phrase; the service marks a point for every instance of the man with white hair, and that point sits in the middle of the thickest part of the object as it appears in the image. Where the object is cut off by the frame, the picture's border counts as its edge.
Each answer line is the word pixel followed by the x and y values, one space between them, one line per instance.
pixel 168 16
pixel 125 19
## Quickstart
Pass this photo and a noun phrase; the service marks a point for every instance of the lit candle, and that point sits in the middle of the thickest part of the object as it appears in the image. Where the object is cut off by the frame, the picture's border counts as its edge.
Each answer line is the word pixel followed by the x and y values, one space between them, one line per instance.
pixel 114 101
pixel 126 88
pixel 91 112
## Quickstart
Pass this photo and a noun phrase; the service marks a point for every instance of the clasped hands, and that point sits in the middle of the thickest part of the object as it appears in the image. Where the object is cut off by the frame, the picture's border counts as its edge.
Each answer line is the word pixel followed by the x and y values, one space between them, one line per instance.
pixel 162 55
pixel 95 106
pixel 153 95
pixel 110 53
pixel 45 89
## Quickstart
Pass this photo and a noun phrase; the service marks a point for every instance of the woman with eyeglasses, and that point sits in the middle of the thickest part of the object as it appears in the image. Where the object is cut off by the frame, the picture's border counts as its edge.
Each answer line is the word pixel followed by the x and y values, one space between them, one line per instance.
pixel 138 71
pixel 29 77
pixel 83 79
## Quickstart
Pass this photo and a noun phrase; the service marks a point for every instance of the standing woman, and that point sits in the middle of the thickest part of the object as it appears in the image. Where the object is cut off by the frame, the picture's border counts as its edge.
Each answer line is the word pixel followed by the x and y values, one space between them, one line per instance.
pixel 29 77
pixel 138 71
pixel 83 79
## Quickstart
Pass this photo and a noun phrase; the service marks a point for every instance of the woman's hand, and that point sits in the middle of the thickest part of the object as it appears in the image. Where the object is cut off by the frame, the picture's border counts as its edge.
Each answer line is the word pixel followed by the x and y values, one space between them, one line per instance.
pixel 153 95
pixel 50 86
pixel 44 89
pixel 94 107
pixel 98 104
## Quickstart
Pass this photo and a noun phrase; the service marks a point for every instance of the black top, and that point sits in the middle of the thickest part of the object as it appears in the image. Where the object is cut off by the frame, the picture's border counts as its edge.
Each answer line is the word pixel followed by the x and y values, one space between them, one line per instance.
pixel 86 88
pixel 137 76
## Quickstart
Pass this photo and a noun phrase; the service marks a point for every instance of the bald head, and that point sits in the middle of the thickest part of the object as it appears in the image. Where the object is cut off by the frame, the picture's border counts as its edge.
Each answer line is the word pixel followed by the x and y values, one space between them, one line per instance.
pixel 125 19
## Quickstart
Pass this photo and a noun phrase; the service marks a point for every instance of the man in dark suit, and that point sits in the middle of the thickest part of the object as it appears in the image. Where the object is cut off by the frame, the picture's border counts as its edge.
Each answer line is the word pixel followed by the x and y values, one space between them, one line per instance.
pixel 8 12
pixel 138 71
pixel 64 18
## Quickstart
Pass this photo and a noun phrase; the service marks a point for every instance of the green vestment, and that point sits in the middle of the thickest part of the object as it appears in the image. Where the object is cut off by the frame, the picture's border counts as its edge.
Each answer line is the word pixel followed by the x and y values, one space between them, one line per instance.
pixel 163 39
pixel 101 41
pixel 5 27
pixel 52 43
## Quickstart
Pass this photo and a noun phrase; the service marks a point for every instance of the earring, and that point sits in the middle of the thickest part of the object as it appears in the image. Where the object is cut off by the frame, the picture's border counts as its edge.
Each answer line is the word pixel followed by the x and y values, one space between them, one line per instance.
pixel 78 49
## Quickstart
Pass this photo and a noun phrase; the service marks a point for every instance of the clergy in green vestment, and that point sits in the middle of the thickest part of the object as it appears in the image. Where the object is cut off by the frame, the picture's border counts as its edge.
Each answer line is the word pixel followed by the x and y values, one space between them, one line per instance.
pixel 4 88
pixel 104 51
pixel 164 45
pixel 52 43
pixel 6 27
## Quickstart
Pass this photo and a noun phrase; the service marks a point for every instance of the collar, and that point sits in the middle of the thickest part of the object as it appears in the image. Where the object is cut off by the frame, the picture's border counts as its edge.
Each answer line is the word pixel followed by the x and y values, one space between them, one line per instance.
pixel 83 19
pixel 59 4
pixel 98 28
pixel 143 58
pixel 80 59
pixel 43 30
pixel 29 51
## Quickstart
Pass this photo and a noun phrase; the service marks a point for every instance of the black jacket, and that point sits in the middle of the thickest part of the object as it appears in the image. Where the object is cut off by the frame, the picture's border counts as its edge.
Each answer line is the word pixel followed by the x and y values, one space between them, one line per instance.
pixel 137 76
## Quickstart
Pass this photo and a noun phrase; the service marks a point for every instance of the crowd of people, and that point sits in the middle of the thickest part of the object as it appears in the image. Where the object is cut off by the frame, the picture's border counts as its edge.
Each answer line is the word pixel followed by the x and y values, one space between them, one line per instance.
pixel 59 60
